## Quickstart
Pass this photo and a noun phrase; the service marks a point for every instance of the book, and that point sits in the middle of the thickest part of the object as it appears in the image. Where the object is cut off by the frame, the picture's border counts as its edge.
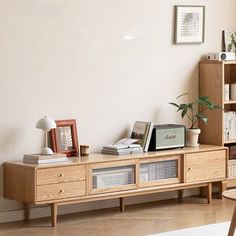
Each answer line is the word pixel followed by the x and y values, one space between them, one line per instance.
pixel 142 131
pixel 44 161
pixel 136 148
pixel 123 144
pixel 146 145
pixel 44 157
pixel 122 151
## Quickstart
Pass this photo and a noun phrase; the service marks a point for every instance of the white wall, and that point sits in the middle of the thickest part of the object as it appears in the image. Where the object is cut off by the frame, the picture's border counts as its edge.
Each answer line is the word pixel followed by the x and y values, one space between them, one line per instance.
pixel 106 63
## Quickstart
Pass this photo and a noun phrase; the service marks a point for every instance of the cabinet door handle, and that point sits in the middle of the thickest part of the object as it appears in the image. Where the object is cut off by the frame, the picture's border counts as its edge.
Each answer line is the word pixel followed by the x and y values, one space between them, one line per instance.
pixel 189 168
pixel 61 191
pixel 61 175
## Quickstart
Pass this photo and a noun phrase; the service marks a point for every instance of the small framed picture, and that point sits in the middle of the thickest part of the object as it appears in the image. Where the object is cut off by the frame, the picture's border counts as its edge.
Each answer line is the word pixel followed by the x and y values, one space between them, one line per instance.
pixel 64 138
pixel 189 24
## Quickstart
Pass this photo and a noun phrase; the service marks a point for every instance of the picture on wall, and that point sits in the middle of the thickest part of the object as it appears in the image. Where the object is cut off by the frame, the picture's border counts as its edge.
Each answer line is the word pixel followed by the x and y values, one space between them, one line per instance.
pixel 189 24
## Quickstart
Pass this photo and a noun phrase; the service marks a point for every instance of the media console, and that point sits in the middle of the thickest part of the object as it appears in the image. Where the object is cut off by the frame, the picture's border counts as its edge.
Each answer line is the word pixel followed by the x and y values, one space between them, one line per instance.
pixel 100 177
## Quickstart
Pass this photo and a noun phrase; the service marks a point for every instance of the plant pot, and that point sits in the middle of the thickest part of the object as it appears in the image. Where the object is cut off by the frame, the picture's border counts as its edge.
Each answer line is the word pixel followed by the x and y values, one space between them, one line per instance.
pixel 192 137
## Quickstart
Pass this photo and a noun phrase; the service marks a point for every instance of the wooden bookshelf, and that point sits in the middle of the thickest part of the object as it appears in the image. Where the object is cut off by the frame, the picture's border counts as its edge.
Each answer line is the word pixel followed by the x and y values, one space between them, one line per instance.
pixel 212 77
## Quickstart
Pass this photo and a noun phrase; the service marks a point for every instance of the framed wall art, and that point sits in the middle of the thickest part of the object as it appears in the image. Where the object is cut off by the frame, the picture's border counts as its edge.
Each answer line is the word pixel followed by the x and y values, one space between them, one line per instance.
pixel 189 24
pixel 64 138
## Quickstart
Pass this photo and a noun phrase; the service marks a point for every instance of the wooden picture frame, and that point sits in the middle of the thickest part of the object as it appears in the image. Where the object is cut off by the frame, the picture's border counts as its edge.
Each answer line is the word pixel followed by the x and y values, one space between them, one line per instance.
pixel 64 138
pixel 189 24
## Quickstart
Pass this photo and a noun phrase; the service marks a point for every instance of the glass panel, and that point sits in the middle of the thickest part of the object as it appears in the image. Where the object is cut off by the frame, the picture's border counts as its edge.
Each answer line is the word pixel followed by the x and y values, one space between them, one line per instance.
pixel 158 170
pixel 113 176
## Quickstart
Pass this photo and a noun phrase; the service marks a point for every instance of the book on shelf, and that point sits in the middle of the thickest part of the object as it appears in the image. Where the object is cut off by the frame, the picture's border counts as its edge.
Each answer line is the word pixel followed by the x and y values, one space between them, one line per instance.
pixel 44 161
pixel 142 131
pixel 230 125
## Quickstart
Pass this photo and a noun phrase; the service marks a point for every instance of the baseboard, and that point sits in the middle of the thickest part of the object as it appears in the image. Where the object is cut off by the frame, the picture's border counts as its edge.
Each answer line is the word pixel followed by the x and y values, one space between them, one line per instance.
pixel 44 211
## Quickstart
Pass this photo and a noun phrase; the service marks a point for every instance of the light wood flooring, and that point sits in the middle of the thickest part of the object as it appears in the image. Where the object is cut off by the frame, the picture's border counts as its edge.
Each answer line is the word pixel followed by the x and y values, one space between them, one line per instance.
pixel 138 220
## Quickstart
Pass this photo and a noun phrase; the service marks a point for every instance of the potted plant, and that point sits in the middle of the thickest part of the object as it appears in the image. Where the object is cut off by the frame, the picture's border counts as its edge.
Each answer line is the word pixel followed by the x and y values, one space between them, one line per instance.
pixel 190 111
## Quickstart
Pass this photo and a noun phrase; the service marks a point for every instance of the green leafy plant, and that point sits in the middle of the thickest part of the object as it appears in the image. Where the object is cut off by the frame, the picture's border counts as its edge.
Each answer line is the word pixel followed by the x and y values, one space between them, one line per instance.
pixel 190 110
pixel 232 42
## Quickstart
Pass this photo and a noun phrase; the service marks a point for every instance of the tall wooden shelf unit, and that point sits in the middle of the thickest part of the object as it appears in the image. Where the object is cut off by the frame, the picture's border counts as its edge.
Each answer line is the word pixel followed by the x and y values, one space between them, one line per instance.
pixel 212 77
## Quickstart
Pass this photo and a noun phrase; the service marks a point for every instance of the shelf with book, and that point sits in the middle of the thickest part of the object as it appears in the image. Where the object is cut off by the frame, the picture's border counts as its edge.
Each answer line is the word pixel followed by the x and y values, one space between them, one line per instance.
pixel 229 141
pixel 229 102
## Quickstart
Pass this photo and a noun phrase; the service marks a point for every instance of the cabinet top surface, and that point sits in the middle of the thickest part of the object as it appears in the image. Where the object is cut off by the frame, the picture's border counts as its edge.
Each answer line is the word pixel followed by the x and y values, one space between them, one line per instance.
pixel 97 157
pixel 217 62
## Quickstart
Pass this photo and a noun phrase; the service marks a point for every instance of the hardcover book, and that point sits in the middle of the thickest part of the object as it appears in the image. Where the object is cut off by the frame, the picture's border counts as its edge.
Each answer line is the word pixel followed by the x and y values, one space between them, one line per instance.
pixel 142 131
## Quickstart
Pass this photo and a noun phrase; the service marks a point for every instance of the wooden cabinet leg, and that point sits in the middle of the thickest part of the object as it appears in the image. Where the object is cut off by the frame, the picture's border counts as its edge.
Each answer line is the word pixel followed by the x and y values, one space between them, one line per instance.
pixel 203 192
pixel 233 223
pixel 180 194
pixel 54 214
pixel 122 204
pixel 222 188
pixel 27 211
pixel 209 193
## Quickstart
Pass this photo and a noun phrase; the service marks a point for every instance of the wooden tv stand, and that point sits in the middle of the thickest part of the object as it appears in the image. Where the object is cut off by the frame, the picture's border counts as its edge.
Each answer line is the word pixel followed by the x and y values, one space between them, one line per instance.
pixel 100 177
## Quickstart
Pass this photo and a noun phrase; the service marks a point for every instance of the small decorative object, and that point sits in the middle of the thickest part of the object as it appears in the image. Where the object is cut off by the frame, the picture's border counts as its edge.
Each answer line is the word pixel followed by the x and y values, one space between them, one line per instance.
pixel 189 24
pixel 46 124
pixel 226 92
pixel 233 91
pixel 64 138
pixel 84 150
pixel 190 111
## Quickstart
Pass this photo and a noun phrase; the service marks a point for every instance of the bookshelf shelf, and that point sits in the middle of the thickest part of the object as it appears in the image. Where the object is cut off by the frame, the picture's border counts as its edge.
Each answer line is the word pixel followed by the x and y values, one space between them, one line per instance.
pixel 230 141
pixel 230 102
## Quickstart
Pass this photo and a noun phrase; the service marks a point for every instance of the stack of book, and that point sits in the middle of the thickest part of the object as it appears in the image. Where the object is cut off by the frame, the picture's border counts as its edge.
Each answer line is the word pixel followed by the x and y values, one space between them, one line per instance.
pixel 44 159
pixel 123 147
pixel 230 125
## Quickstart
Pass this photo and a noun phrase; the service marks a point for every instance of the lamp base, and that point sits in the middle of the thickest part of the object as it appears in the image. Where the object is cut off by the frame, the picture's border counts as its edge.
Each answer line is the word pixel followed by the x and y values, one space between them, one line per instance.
pixel 46 151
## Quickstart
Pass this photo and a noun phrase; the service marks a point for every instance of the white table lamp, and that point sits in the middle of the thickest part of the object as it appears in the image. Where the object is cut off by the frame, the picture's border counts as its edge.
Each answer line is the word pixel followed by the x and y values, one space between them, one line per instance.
pixel 46 124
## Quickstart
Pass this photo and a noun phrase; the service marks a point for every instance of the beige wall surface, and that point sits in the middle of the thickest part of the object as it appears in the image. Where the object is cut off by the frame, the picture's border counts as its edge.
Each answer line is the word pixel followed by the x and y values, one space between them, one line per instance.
pixel 105 63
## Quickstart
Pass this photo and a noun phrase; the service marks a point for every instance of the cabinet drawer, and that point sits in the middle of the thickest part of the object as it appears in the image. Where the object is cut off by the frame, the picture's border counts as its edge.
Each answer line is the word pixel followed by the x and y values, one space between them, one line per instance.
pixel 60 191
pixel 60 174
pixel 205 166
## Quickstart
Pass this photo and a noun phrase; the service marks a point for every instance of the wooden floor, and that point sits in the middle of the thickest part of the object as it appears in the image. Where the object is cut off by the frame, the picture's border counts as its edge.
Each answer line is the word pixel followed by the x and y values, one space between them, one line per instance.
pixel 143 219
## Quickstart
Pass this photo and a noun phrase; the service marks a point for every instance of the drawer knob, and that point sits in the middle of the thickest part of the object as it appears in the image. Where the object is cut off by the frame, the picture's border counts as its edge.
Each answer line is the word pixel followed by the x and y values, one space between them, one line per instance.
pixel 61 175
pixel 189 169
pixel 61 191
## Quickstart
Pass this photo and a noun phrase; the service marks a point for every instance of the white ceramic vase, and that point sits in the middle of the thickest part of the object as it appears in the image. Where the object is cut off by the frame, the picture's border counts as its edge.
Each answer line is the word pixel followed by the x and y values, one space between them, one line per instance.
pixel 192 137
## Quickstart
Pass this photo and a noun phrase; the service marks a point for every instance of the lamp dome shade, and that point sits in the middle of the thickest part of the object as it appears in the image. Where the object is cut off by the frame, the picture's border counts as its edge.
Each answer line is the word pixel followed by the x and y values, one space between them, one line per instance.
pixel 46 124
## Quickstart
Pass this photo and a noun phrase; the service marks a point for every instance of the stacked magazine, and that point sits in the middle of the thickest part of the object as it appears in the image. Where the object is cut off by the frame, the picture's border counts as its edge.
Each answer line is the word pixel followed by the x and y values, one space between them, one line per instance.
pixel 44 159
pixel 123 147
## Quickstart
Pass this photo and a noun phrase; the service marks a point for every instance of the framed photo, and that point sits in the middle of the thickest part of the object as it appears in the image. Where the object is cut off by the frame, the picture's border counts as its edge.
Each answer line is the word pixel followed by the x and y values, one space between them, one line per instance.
pixel 64 138
pixel 189 24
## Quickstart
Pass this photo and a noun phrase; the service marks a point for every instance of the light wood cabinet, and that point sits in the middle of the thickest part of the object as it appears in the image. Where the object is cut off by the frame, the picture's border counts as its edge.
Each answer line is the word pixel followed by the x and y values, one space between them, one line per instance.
pixel 213 75
pixel 100 177
pixel 205 166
